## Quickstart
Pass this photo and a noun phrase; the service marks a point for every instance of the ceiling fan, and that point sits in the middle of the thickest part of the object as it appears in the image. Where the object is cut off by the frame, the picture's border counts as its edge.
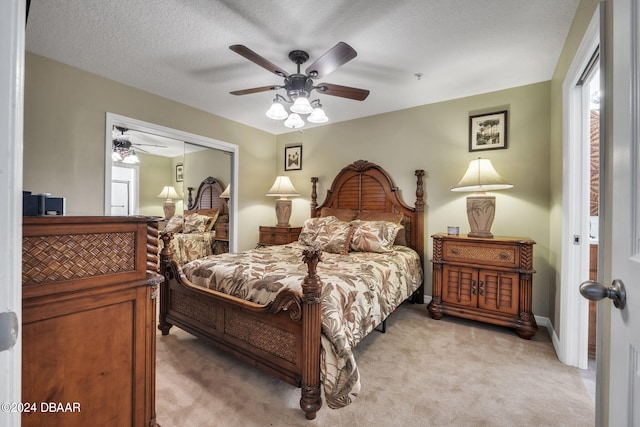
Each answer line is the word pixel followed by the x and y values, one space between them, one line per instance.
pixel 299 86
pixel 123 146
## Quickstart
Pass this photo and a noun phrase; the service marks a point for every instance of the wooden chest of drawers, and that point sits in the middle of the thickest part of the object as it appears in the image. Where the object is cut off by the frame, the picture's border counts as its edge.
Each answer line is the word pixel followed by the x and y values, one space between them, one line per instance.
pixel 489 280
pixel 278 235
pixel 88 319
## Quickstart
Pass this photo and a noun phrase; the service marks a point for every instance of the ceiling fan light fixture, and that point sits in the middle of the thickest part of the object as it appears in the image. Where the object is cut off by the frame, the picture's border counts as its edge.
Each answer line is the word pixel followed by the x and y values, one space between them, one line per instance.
pixel 131 159
pixel 318 116
pixel 115 156
pixel 277 111
pixel 294 121
pixel 301 105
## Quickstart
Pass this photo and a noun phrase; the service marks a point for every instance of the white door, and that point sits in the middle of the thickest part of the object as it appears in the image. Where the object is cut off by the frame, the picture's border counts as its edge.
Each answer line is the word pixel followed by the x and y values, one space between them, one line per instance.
pixel 623 224
pixel 120 198
pixel 124 190
pixel 12 18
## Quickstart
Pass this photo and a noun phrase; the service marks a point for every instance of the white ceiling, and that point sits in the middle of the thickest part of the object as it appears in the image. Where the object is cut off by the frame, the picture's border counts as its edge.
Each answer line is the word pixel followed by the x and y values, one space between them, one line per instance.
pixel 179 49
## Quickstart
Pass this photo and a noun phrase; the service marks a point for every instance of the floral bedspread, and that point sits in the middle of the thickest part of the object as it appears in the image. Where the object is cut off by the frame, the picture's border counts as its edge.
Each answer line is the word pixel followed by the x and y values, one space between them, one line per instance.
pixel 360 289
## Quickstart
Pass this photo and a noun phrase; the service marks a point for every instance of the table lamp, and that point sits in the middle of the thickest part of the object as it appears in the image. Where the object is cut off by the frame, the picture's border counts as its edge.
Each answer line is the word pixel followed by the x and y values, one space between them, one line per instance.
pixel 169 193
pixel 481 177
pixel 282 188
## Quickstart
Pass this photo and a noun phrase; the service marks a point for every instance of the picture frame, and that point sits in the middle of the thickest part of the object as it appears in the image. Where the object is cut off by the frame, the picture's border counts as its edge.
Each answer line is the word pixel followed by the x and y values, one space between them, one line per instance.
pixel 179 173
pixel 488 131
pixel 293 158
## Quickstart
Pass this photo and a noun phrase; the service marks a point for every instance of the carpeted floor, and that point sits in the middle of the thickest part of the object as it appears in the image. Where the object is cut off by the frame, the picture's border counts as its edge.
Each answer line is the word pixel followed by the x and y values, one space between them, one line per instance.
pixel 422 372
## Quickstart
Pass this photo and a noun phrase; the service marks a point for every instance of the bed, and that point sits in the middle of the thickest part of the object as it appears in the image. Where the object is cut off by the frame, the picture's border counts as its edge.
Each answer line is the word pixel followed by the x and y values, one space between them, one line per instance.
pixel 201 230
pixel 290 331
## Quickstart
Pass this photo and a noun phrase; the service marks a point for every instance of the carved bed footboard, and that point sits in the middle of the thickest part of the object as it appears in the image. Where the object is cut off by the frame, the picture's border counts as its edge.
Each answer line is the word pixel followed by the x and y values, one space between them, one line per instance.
pixel 281 338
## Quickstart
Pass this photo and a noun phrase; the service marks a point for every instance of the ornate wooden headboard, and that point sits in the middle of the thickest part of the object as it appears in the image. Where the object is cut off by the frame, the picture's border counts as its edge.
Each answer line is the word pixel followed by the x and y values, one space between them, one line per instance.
pixel 365 186
pixel 208 196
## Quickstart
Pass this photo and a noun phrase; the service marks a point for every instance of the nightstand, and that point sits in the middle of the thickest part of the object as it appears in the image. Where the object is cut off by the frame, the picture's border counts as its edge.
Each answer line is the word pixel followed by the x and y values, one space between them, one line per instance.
pixel 221 239
pixel 489 280
pixel 278 235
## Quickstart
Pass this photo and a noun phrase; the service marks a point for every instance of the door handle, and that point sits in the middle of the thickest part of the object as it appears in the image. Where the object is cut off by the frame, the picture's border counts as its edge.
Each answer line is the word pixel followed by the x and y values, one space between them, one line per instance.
pixel 595 291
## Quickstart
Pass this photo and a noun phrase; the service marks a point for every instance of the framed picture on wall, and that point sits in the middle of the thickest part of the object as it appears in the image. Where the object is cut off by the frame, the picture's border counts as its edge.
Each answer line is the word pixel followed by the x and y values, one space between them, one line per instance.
pixel 488 131
pixel 293 158
pixel 179 173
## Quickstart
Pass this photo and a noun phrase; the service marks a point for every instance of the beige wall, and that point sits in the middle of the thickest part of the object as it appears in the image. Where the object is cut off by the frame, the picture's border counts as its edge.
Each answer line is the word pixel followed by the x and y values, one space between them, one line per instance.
pixel 64 148
pixel 435 138
pixel 64 126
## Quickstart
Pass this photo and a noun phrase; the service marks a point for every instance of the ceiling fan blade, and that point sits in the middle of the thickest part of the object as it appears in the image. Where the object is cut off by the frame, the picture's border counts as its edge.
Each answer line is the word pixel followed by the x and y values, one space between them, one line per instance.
pixel 338 55
pixel 343 91
pixel 254 90
pixel 255 58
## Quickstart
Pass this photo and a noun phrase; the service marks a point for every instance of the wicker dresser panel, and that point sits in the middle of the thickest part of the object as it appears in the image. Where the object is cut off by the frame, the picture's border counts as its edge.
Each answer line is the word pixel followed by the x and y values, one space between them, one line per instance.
pixel 61 257
pixel 506 255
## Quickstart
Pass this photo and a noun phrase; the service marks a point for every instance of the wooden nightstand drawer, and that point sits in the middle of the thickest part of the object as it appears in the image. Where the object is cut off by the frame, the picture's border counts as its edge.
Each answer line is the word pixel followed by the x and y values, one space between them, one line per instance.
pixel 222 231
pixel 496 254
pixel 278 235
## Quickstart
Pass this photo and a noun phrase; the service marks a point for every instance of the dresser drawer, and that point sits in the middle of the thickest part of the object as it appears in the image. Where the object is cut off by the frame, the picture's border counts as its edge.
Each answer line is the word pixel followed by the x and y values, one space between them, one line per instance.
pixel 495 254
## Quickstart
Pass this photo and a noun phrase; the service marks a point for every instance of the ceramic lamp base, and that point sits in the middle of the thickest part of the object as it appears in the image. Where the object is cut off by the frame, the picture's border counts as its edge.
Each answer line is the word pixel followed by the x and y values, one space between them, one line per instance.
pixel 283 212
pixel 169 209
pixel 480 212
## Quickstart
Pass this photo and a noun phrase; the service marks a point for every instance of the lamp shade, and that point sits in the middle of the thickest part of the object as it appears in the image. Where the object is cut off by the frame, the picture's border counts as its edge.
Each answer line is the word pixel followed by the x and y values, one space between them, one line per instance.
pixel 317 116
pixel 480 177
pixel 301 105
pixel 294 121
pixel 226 194
pixel 168 192
pixel 277 111
pixel 282 187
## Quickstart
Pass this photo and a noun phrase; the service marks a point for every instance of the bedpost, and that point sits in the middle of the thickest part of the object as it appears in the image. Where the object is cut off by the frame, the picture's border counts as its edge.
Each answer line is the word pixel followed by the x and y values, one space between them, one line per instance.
pixel 418 296
pixel 314 196
pixel 166 257
pixel 311 400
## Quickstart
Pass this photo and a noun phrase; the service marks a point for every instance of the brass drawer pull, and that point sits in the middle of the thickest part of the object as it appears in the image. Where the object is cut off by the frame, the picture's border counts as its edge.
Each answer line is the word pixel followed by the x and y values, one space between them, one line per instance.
pixel 455 251
pixel 504 255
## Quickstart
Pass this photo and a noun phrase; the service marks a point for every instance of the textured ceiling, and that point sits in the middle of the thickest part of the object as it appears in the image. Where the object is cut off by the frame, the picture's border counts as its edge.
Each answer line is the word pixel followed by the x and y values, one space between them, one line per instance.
pixel 180 49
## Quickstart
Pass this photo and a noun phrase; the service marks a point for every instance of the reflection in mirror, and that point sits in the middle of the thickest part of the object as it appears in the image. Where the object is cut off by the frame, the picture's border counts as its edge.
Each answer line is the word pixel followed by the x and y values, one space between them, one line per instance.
pixel 149 170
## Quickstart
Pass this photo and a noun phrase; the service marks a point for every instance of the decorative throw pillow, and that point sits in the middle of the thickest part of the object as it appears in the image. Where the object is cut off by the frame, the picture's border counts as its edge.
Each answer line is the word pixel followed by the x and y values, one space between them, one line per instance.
pixel 195 223
pixel 373 236
pixel 327 233
pixel 401 237
pixel 334 237
pixel 310 229
pixel 342 214
pixel 174 225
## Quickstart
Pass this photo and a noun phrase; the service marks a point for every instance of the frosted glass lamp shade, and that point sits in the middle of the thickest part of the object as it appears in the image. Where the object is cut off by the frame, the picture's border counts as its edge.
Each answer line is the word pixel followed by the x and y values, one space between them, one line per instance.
pixel 301 105
pixel 277 111
pixel 317 116
pixel 294 121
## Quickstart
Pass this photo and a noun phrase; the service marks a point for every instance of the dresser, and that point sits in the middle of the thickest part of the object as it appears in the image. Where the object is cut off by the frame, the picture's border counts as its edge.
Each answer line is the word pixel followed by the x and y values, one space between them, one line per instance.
pixel 278 235
pixel 488 280
pixel 89 292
